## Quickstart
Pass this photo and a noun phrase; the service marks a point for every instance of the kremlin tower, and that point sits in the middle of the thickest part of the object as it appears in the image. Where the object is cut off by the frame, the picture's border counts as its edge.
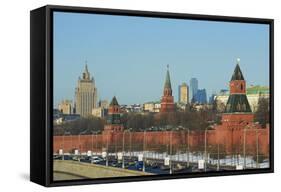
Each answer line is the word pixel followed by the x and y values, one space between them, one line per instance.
pixel 237 109
pixel 113 120
pixel 167 101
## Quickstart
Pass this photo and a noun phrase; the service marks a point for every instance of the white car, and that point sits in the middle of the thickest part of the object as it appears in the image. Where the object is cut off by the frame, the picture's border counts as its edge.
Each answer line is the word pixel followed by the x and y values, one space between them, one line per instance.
pixel 96 159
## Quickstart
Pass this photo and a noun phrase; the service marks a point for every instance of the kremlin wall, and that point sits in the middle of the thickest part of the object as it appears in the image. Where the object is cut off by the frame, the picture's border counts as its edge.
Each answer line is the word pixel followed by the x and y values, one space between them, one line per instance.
pixel 236 133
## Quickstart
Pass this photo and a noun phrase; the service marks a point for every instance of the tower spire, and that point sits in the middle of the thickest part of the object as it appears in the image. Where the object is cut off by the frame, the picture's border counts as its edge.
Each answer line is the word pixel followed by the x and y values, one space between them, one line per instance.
pixel 237 74
pixel 86 74
pixel 167 101
pixel 86 66
pixel 167 80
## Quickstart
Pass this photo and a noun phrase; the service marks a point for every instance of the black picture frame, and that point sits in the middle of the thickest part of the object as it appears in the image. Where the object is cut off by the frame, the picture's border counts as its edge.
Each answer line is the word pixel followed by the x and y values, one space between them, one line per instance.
pixel 41 92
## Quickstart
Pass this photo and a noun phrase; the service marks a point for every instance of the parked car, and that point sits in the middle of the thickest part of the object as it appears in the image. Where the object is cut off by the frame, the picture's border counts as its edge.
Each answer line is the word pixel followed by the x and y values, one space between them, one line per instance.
pixel 96 159
pixel 86 159
pixel 139 165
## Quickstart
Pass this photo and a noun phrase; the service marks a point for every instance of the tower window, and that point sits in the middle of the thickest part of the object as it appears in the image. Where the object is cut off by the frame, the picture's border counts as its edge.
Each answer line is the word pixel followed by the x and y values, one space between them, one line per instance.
pixel 241 86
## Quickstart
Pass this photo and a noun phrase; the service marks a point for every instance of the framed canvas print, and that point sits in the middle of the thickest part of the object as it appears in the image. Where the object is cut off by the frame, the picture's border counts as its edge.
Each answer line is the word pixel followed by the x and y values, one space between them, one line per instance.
pixel 123 95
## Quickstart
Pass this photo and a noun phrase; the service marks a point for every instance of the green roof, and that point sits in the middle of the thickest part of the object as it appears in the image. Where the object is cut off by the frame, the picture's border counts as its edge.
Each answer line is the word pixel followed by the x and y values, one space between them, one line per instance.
pixel 237 103
pixel 167 80
pixel 237 74
pixel 258 90
pixel 114 101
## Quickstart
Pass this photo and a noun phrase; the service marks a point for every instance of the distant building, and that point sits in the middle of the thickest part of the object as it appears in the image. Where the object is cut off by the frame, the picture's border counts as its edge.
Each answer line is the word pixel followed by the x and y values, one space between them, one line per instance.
pixel 65 107
pixel 99 112
pixel 212 98
pixel 200 96
pixel 153 107
pixel 64 118
pixel 183 93
pixel 193 88
pixel 167 101
pixel 85 94
pixel 135 108
pixel 103 104
pixel 148 107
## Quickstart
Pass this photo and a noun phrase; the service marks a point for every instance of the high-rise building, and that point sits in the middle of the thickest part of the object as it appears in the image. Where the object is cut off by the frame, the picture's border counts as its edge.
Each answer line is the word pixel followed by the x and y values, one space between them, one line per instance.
pixel 85 94
pixel 183 93
pixel 65 107
pixel 200 96
pixel 193 88
pixel 167 101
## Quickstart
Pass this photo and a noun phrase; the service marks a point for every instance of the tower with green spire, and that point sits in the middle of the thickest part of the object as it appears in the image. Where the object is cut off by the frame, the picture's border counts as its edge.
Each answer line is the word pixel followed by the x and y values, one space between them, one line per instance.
pixel 237 101
pixel 167 101
pixel 113 120
pixel 237 111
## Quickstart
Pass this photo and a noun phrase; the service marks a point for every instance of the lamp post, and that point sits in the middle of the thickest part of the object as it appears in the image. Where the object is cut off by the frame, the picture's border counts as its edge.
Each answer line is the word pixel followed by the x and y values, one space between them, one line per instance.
pixel 257 147
pixel 244 147
pixel 187 147
pixel 144 134
pixel 92 141
pixel 218 163
pixel 123 150
pixel 171 151
pixel 96 137
pixel 130 142
pixel 79 146
pixel 96 143
pixel 205 154
pixel 63 146
pixel 107 137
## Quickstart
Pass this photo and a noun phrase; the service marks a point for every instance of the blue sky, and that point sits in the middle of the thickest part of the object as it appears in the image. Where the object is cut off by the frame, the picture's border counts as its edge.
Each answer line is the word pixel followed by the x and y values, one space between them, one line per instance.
pixel 128 55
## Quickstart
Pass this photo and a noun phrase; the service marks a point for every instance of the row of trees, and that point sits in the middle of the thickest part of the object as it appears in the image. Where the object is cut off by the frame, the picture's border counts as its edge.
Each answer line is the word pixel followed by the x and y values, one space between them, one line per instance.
pixel 194 120
pixel 81 126
pixel 191 119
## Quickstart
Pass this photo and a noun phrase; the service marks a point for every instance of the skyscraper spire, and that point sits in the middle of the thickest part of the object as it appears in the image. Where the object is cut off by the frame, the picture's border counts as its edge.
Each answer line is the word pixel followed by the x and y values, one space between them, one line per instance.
pixel 86 74
pixel 86 66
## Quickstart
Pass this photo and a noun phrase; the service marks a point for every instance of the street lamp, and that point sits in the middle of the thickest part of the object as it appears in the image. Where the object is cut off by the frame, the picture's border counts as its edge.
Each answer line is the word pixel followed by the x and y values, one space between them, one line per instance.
pixel 107 138
pixel 96 137
pixel 218 163
pixel 244 145
pixel 63 148
pixel 130 142
pixel 205 149
pixel 115 142
pixel 144 134
pixel 171 151
pixel 257 148
pixel 96 143
pixel 123 150
pixel 187 147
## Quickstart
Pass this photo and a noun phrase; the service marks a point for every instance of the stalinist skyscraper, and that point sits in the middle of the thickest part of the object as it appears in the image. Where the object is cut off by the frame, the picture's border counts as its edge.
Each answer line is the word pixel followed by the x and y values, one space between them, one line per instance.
pixel 85 94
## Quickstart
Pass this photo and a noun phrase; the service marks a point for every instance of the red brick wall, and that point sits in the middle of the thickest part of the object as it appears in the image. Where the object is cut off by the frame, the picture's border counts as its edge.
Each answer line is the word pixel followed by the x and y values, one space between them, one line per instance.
pixel 231 140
